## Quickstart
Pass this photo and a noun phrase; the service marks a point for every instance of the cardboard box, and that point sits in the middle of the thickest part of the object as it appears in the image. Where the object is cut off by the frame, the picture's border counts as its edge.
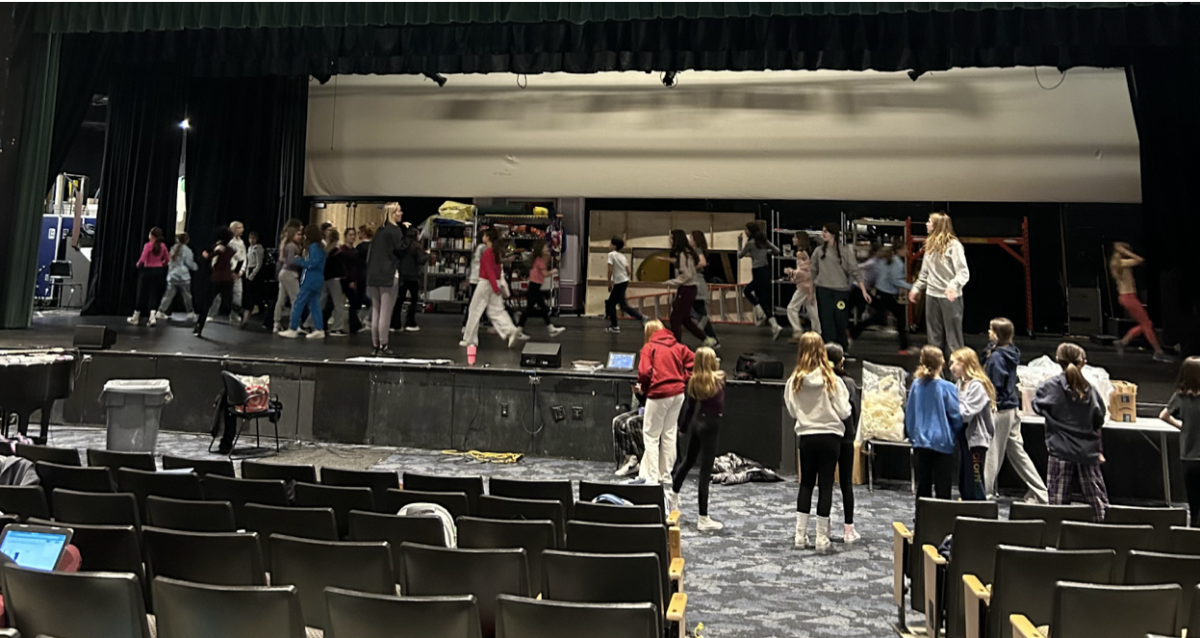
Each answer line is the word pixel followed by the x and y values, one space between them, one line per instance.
pixel 1122 403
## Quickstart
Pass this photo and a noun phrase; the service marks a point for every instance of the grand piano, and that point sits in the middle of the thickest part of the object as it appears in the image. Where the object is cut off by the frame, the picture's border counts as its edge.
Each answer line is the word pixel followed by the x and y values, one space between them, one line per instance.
pixel 32 380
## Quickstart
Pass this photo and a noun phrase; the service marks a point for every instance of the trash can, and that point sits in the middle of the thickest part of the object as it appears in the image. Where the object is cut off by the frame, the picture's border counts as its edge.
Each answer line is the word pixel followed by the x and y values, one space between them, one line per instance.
pixel 134 410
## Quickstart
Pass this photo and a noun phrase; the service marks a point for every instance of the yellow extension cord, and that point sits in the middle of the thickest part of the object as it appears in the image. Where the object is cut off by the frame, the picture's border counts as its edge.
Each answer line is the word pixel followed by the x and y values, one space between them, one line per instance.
pixel 487 457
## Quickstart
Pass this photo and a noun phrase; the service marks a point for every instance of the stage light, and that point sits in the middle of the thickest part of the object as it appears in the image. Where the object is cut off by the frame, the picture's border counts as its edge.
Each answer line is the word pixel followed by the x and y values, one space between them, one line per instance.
pixel 185 125
pixel 436 77
pixel 913 74
pixel 668 79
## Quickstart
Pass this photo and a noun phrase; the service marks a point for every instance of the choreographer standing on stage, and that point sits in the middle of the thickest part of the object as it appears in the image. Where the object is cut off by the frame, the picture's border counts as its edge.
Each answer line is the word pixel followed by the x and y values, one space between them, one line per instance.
pixel 664 366
pixel 700 308
pixel 1121 265
pixel 287 272
pixel 1183 412
pixel 1000 361
pixel 685 259
pixel 944 274
pixel 489 296
pixel 152 277
pixel 805 297
pixel 703 407
pixel 618 283
pixel 760 250
pixel 834 273
pixel 889 281
pixel 535 296
pixel 383 276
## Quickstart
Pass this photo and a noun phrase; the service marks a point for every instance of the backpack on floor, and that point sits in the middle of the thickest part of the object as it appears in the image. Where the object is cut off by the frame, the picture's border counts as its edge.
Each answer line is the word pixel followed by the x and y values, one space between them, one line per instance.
pixel 755 365
pixel 449 531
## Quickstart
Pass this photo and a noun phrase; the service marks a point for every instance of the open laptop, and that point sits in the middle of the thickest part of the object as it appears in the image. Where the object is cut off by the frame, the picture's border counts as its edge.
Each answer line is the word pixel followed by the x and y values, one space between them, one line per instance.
pixel 621 361
pixel 35 546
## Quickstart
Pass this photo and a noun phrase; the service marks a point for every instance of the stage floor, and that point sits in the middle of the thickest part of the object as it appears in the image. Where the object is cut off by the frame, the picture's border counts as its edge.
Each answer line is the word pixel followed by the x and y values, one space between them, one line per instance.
pixel 584 339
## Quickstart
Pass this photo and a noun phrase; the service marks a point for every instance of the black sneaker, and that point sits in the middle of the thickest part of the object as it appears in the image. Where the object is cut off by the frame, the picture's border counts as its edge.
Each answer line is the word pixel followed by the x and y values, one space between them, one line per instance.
pixel 614 330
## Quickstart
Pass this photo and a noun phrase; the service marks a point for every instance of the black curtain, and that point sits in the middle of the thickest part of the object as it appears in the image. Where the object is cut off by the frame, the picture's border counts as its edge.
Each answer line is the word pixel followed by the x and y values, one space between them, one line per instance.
pixel 245 154
pixel 1164 86
pixel 83 71
pixel 138 181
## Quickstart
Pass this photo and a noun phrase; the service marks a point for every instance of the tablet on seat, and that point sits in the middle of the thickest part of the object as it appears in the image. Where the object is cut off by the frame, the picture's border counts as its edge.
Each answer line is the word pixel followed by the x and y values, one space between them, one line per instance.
pixel 35 546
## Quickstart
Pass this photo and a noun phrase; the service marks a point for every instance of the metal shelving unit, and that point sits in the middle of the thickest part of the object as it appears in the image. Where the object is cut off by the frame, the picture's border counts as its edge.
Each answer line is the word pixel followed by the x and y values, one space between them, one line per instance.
pixel 449 264
pixel 523 231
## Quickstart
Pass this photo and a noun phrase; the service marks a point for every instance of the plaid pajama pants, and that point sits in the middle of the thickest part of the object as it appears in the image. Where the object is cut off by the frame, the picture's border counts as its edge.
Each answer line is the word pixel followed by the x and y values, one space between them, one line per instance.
pixel 1061 475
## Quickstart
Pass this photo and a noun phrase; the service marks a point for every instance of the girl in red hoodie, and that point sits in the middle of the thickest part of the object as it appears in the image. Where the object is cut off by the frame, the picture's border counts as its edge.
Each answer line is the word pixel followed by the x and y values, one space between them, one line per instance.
pixel 663 370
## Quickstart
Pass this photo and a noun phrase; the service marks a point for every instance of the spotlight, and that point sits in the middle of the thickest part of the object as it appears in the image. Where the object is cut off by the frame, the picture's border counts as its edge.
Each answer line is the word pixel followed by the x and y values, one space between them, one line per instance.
pixel 668 79
pixel 913 74
pixel 185 124
pixel 436 77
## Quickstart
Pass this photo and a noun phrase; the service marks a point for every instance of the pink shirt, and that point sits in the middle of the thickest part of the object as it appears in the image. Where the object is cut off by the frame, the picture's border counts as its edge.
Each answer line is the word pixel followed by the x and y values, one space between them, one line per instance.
pixel 150 260
pixel 537 274
pixel 488 269
pixel 802 275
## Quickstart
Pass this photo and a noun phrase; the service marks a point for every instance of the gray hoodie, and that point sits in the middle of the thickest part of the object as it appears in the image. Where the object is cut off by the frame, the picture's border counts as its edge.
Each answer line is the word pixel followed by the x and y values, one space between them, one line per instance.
pixel 816 410
pixel 976 408
pixel 759 257
pixel 830 272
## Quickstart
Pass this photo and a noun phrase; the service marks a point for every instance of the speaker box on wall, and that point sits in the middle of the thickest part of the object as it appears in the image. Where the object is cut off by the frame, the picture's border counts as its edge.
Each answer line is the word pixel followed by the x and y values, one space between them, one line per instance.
pixel 94 337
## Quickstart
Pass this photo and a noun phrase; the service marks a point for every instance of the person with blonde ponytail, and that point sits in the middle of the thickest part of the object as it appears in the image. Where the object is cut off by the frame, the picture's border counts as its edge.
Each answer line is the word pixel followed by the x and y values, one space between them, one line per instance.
pixel 1074 415
pixel 944 273
pixel 703 407
pixel 819 401
pixel 977 402
pixel 933 422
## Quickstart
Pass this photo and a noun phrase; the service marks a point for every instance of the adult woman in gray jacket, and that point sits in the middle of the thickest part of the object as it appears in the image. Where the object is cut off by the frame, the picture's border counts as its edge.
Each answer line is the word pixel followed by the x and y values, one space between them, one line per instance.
pixel 834 272
pixel 383 265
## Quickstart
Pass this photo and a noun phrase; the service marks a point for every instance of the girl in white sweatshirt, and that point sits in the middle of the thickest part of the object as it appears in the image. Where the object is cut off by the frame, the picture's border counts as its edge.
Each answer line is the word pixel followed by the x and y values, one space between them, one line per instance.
pixel 819 401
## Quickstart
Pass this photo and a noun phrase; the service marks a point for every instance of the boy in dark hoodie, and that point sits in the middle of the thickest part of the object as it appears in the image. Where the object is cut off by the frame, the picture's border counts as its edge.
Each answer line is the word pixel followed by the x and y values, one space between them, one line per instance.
pixel 1000 362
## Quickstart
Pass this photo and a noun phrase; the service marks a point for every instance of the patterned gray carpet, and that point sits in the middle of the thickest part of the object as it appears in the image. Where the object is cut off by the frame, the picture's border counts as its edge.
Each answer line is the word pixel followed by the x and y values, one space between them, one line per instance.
pixel 745 581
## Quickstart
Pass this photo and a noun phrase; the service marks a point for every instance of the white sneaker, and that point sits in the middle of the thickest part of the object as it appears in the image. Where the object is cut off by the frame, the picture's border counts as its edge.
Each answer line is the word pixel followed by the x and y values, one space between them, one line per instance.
pixel 289 333
pixel 464 343
pixel 850 535
pixel 613 330
pixel 628 467
pixel 151 320
pixel 776 330
pixel 338 333
pixel 278 328
pixel 316 334
pixel 760 317
pixel 412 329
pixel 161 315
pixel 556 330
pixel 512 337
pixel 707 524
pixel 801 540
pixel 134 319
pixel 672 501
pixel 822 542
pixel 522 336
pixel 191 317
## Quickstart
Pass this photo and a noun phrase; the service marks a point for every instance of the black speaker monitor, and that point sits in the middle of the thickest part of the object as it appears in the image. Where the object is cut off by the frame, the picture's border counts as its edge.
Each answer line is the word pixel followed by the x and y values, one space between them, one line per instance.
pixel 94 337
pixel 541 355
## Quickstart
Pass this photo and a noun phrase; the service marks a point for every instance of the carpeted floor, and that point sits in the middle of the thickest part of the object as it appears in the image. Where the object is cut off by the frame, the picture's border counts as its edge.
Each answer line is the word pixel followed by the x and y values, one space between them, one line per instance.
pixel 746 581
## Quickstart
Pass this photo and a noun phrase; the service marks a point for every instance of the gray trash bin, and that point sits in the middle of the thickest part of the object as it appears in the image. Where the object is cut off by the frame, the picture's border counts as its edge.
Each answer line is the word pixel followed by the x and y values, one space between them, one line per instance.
pixel 134 411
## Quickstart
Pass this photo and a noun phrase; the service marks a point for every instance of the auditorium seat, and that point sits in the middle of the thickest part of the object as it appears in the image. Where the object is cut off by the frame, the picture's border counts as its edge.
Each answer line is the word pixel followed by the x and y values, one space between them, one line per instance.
pixel 357 615
pixel 191 516
pixel 95 508
pixel 472 486
pixel 651 494
pixel 1121 538
pixel 1152 568
pixel 612 578
pixel 1162 518
pixel 24 501
pixel 379 482
pixel 279 471
pixel 80 479
pixel 396 530
pixel 313 565
pixel 203 467
pixel 602 538
pixel 972 552
pixel 1088 611
pixel 618 514
pixel 483 573
pixel 456 503
pixel 560 491
pixel 41 603
pixel 114 460
pixel 192 610
pixel 534 537
pixel 59 455
pixel 1024 584
pixel 105 548
pixel 1053 515
pixel 317 523
pixel 340 499
pixel 169 484
pixel 521 509
pixel 1184 540
pixel 527 618
pixel 223 558
pixel 238 492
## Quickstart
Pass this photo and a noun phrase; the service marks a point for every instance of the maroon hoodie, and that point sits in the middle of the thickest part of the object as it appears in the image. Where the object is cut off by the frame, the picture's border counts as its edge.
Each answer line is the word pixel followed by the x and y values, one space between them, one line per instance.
pixel 664 366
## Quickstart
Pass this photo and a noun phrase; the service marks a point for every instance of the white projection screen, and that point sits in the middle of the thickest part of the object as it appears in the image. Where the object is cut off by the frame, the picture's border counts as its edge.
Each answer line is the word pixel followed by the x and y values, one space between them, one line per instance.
pixel 960 135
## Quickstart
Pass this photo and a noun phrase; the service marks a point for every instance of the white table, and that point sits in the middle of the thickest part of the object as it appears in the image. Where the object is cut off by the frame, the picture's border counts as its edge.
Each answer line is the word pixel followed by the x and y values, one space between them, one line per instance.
pixel 1145 426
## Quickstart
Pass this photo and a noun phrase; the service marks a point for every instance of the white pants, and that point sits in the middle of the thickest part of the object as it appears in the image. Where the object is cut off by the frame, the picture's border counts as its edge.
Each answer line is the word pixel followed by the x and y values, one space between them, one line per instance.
pixel 485 300
pixel 1007 440
pixel 237 292
pixel 660 425
pixel 801 300
pixel 289 287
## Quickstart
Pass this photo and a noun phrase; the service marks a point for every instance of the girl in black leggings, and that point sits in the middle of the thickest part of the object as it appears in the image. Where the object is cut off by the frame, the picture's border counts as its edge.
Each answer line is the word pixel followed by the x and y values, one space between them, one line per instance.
pixel 702 409
pixel 837 357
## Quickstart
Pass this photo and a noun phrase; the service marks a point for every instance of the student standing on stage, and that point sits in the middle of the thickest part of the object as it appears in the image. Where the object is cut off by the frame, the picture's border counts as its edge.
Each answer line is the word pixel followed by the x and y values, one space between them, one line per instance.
pixel 760 250
pixel 414 258
pixel 335 272
pixel 618 283
pixel 703 407
pixel 179 278
pixel 220 288
pixel 365 234
pixel 834 273
pixel 239 268
pixel 977 402
pixel 312 281
pixel 1183 412
pixel 944 273
pixel 352 268
pixel 535 296
pixel 152 277
pixel 1000 361
pixel 286 270
pixel 933 422
pixel 845 464
pixel 1121 265
pixel 805 297
pixel 489 296
pixel 473 277
pixel 700 308
pixel 252 287
pixel 664 366
pixel 685 259
pixel 889 281
pixel 383 278
pixel 820 402
pixel 1074 415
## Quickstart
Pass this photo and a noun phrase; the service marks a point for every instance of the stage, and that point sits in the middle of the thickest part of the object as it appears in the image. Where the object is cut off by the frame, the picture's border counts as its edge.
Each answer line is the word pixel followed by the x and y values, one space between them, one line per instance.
pixel 496 405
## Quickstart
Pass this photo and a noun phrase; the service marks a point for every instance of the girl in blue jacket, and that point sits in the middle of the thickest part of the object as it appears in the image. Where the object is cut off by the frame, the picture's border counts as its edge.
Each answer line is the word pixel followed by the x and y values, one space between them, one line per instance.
pixel 311 282
pixel 933 422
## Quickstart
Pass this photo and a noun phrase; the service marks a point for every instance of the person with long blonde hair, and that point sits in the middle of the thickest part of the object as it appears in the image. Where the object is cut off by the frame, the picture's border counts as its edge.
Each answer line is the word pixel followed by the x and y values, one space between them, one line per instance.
pixel 819 401
pixel 703 407
pixel 944 273
pixel 933 423
pixel 664 366
pixel 977 403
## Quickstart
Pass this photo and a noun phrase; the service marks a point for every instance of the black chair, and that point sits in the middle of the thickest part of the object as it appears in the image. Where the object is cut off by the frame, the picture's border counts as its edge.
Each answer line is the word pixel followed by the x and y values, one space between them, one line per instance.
pixel 41 603
pixel 455 502
pixel 190 516
pixel 472 486
pixel 314 565
pixel 534 537
pixel 238 492
pixel 1112 611
pixel 649 494
pixel 169 484
pixel 225 558
pixel 202 467
pixel 190 610
pixel 520 509
pixel 560 491
pixel 379 482
pixel 1121 538
pixel 80 479
pixel 114 460
pixel 1162 518
pixel 1150 568
pixel 279 471
pixel 618 514
pixel 236 400
pixel 94 508
pixel 24 501
pixel 340 499
pixel 483 573
pixel 1184 540
pixel 602 538
pixel 1053 515
pixel 59 455
pixel 106 548
pixel 609 578
pixel 317 523
pixel 396 530
pixel 357 615
pixel 526 618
